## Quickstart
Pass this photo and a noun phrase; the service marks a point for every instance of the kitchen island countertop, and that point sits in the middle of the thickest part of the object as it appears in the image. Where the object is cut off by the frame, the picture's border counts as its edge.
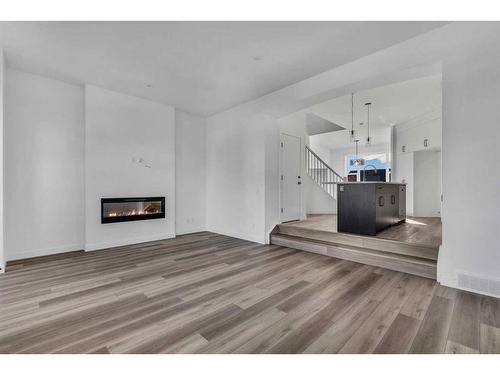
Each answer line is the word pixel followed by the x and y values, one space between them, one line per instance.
pixel 372 182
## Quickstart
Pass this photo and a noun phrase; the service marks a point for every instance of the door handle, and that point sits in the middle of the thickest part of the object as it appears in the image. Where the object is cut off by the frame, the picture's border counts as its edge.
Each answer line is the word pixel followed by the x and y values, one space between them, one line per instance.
pixel 393 199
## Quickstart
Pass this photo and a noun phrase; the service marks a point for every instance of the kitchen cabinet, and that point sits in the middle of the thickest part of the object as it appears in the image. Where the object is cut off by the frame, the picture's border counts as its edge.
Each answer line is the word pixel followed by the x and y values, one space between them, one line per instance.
pixel 419 138
pixel 369 207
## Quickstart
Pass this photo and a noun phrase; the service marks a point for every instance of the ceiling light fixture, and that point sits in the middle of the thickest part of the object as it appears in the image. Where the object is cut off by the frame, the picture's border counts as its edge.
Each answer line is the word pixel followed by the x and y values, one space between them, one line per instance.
pixel 368 138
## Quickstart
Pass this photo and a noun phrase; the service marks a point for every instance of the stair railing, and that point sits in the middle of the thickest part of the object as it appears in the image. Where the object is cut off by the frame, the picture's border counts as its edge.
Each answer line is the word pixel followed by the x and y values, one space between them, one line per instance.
pixel 322 173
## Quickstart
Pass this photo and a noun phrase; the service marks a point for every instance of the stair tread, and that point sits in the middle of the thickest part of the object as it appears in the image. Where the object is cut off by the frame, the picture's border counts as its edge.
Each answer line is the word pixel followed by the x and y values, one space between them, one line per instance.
pixel 329 233
pixel 365 242
pixel 383 254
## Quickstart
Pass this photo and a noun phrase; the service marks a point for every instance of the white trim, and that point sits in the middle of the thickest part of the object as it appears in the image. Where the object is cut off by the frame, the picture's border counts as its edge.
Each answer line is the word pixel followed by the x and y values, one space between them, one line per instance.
pixel 2 268
pixel 126 241
pixel 243 236
pixel 195 230
pixel 47 251
pixel 322 212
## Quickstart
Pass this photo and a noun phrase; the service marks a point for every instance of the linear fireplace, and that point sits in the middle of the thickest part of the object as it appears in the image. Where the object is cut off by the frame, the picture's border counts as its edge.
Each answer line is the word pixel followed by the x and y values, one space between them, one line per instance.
pixel 115 210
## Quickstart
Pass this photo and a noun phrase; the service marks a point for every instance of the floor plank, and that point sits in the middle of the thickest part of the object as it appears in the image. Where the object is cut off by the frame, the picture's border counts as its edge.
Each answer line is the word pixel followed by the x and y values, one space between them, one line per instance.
pixel 394 341
pixel 369 335
pixel 433 333
pixel 490 339
pixel 455 348
pixel 464 329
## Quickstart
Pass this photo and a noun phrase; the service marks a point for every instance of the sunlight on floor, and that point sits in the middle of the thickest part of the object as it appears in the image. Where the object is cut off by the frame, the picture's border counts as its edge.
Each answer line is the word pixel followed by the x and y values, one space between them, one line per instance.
pixel 411 221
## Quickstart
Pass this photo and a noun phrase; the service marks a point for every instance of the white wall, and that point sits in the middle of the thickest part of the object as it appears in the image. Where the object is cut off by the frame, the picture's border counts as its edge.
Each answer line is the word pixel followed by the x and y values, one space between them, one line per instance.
pixel 120 129
pixel 426 184
pixel 272 175
pixel 471 183
pixel 404 172
pixel 44 178
pixel 236 172
pixel 412 137
pixel 2 85
pixel 419 165
pixel 337 159
pixel 45 148
pixel 321 151
pixel 421 173
pixel 190 173
pixel 318 200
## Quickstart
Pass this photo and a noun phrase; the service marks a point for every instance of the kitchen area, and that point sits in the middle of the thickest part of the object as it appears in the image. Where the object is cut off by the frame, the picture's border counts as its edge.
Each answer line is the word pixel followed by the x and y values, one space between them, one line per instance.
pixel 370 188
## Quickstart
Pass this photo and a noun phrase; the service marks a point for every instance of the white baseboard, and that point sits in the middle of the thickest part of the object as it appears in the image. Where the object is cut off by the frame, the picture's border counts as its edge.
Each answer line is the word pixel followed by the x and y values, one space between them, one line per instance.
pixel 320 212
pixel 194 230
pixel 243 236
pixel 126 241
pixel 2 267
pixel 45 251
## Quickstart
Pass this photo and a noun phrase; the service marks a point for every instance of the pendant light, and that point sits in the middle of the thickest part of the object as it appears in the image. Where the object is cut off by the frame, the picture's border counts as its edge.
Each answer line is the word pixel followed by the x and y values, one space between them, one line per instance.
pixel 356 162
pixel 351 133
pixel 368 138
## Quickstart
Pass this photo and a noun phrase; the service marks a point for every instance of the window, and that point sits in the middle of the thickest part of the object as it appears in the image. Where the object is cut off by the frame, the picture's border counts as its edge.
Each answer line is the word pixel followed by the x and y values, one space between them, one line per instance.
pixel 379 161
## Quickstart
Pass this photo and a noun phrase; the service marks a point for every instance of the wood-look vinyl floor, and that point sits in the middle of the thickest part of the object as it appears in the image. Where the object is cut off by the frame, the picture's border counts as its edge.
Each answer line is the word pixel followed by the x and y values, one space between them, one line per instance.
pixel 207 293
pixel 416 230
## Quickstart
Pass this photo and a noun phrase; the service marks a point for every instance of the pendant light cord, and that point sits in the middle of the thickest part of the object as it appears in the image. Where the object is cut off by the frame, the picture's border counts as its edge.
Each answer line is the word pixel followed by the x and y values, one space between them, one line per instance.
pixel 368 122
pixel 352 115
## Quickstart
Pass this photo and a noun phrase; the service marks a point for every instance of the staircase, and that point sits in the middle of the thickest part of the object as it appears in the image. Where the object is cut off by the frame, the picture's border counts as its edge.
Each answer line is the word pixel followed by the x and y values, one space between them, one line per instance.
pixel 322 173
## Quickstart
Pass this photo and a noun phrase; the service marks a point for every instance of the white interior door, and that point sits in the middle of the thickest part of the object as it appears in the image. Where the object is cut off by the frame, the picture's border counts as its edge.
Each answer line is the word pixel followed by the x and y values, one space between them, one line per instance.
pixel 426 183
pixel 290 179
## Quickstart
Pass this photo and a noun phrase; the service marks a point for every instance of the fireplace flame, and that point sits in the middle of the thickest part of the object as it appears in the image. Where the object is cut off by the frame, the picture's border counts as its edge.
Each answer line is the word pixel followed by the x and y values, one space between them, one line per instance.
pixel 132 213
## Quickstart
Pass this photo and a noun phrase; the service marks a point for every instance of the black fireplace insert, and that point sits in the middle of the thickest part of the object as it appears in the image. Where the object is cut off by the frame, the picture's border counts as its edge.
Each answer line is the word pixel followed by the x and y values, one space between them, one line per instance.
pixel 115 210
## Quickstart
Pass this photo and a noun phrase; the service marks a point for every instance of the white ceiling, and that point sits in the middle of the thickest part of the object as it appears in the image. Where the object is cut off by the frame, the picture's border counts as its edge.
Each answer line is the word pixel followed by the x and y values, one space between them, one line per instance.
pixel 199 67
pixel 396 104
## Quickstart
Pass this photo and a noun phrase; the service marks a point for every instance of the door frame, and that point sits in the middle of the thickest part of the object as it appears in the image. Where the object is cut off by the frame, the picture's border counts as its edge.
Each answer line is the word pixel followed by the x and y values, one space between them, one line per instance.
pixel 301 166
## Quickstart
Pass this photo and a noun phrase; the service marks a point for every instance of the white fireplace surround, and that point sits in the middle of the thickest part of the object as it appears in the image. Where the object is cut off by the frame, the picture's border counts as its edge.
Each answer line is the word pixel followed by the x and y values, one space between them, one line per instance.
pixel 117 128
pixel 68 146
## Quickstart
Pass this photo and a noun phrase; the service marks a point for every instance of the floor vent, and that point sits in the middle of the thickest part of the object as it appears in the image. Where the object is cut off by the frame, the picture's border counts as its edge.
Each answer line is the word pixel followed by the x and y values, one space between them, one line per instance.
pixel 479 284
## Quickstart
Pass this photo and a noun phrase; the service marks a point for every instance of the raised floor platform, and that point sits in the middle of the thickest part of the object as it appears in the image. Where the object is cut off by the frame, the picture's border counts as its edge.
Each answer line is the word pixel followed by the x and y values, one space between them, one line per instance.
pixel 410 247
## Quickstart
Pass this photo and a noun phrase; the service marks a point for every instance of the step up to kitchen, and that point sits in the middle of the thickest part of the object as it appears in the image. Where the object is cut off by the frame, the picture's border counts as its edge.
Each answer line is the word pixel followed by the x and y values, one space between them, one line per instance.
pixel 373 243
pixel 419 266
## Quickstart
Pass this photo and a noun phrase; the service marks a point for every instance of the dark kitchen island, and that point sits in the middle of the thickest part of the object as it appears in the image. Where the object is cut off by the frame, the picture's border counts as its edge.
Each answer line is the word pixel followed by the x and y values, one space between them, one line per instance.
pixel 369 207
